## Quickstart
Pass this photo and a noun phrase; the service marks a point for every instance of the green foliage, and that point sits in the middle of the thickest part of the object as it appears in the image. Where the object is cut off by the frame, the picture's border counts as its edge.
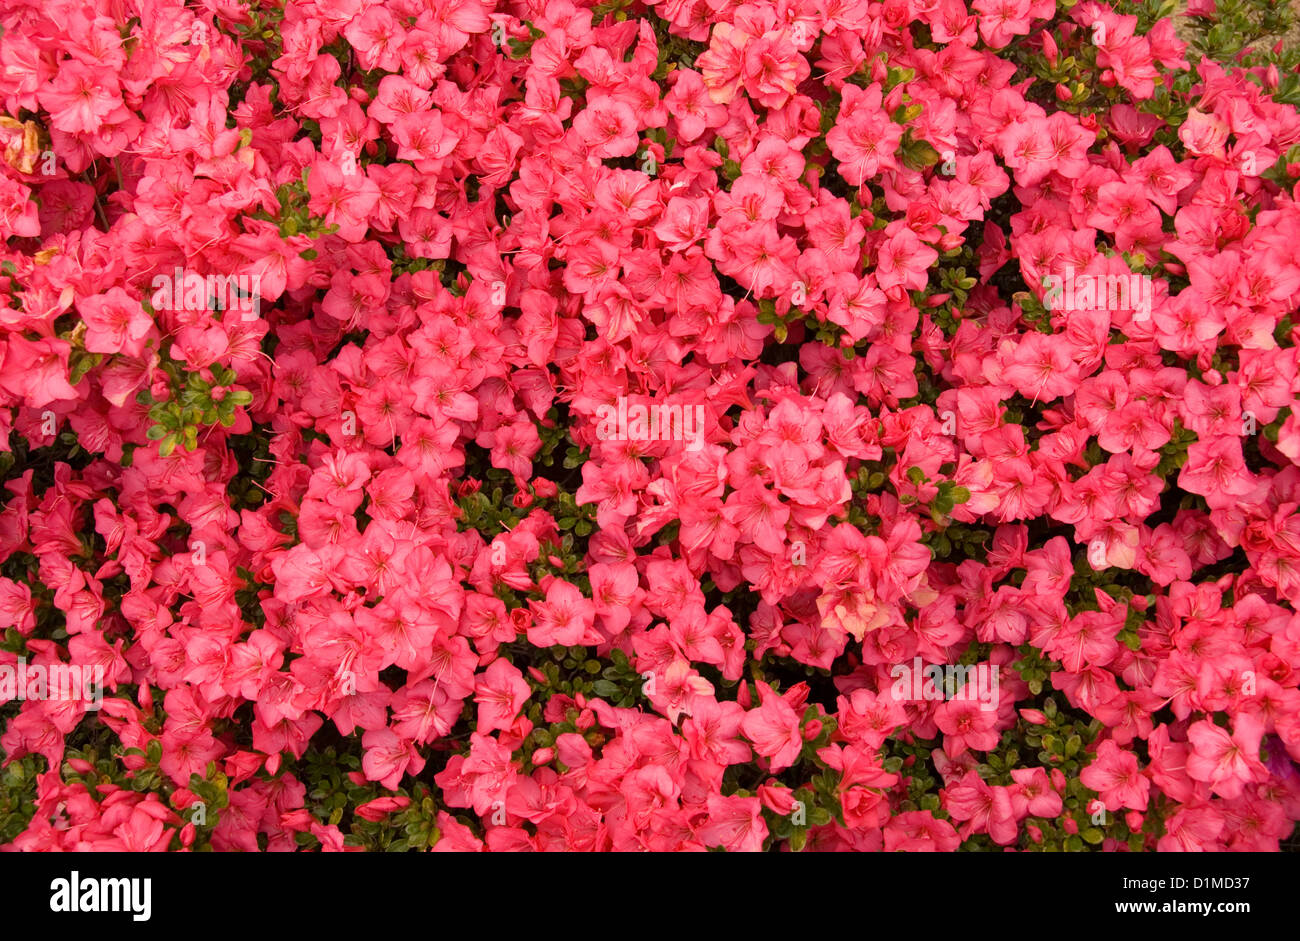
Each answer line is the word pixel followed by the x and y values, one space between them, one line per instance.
pixel 193 402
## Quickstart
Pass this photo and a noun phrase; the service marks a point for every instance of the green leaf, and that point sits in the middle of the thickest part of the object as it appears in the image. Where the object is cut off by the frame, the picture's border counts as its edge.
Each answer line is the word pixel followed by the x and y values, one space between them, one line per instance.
pixel 83 363
pixel 918 155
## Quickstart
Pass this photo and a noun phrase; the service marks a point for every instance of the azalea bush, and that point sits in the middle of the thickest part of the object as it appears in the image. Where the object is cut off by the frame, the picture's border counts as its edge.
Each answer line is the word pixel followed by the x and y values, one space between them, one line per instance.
pixel 683 425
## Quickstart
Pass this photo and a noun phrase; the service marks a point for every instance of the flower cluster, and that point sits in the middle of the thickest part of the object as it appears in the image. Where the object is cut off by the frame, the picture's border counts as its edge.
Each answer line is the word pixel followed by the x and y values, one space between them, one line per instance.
pixel 652 424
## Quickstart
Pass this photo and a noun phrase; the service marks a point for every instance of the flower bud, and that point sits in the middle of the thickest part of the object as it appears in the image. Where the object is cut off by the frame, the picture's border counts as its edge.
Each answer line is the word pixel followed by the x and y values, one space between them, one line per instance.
pixel 779 800
pixel 381 807
pixel 1050 51
pixel 299 819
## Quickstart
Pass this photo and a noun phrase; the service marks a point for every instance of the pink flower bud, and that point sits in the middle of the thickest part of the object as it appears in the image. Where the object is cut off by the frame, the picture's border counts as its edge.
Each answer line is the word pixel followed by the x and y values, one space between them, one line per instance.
pixel 1050 51
pixel 779 800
